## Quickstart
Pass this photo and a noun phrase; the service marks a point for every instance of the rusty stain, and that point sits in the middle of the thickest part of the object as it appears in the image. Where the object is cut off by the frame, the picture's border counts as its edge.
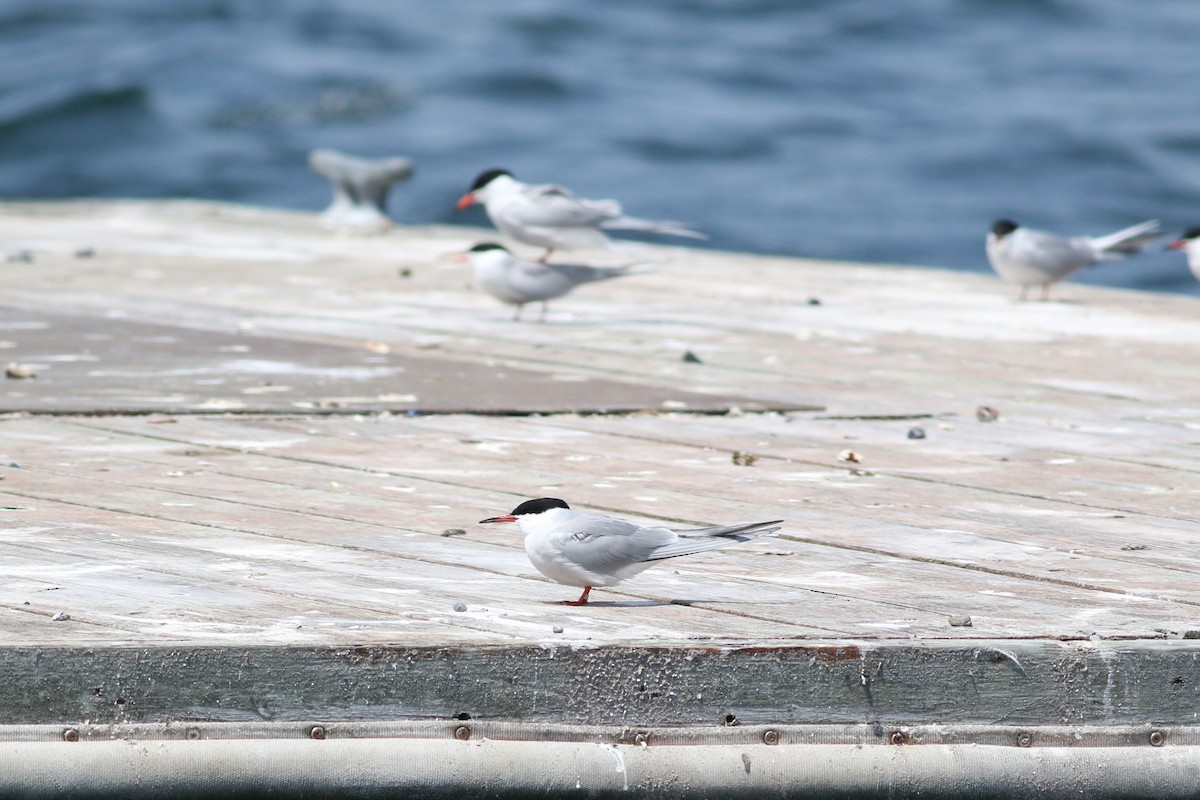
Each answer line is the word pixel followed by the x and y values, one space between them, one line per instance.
pixel 832 653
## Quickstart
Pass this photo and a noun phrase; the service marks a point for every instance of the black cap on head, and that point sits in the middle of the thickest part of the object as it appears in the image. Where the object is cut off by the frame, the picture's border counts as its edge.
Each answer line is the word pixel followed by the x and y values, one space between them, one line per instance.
pixel 1003 227
pixel 1191 233
pixel 538 506
pixel 484 247
pixel 487 177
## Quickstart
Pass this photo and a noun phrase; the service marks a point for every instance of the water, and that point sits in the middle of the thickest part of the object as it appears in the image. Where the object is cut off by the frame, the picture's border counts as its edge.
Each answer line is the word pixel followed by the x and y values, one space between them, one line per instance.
pixel 864 130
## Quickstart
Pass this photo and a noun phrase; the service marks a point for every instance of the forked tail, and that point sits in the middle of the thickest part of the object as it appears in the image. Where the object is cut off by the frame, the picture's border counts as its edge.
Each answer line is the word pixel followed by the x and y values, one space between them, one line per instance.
pixel 1129 240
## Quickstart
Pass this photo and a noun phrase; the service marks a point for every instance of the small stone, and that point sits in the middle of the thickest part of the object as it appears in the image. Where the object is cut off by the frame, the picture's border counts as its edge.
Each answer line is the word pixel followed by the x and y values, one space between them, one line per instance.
pixel 557 628
pixel 405 272
pixel 85 252
pixel 460 606
pixel 851 456
pixel 19 371
pixel 454 532
pixel 60 616
pixel 814 301
pixel 1191 634
pixel 960 621
pixel 1135 547
pixel 986 414
pixel 691 358
pixel 741 459
pixel 916 433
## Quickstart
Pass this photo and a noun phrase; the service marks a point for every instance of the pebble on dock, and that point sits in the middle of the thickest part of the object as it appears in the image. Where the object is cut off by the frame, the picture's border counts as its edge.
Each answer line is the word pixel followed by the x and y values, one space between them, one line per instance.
pixel 60 616
pixel 960 621
pixel 460 606
pixel 916 433
pixel 851 456
pixel 986 414
pixel 454 532
pixel 360 186
pixel 19 371
pixel 742 459
pixel 691 358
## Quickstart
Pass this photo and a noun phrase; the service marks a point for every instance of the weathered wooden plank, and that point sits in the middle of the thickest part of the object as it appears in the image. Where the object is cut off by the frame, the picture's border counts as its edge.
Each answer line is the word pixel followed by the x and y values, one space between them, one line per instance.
pixel 931 592
pixel 761 488
pixel 848 682
pixel 85 365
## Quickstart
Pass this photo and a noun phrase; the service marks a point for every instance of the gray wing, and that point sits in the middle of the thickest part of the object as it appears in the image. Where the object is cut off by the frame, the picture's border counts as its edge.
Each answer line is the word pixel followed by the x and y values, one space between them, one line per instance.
pixel 605 545
pixel 1051 254
pixel 539 281
pixel 557 207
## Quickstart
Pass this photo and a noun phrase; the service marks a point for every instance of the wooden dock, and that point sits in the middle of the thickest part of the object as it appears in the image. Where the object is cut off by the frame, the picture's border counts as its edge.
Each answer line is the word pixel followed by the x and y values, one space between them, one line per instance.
pixel 242 490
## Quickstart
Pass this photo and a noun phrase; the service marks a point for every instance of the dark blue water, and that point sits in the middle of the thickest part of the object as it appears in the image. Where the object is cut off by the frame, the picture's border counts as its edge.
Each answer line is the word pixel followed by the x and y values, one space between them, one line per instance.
pixel 872 130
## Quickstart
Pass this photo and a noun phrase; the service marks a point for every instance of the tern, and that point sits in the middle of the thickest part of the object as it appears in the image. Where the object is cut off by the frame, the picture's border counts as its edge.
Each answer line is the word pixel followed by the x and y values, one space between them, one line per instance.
pixel 1035 258
pixel 517 281
pixel 591 550
pixel 553 217
pixel 1189 243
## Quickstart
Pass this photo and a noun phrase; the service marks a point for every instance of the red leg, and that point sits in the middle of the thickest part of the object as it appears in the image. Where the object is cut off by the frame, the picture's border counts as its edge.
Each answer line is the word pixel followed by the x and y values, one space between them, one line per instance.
pixel 582 598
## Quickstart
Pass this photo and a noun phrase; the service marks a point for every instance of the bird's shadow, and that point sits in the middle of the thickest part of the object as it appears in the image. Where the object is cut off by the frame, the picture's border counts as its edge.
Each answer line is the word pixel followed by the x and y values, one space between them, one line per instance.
pixel 654 603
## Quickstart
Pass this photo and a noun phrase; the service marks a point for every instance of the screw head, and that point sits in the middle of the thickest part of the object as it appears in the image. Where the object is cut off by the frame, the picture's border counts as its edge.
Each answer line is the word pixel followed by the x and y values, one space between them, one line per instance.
pixel 1157 739
pixel 770 737
pixel 897 737
pixel 462 733
pixel 193 734
pixel 70 735
pixel 316 732
pixel 1024 740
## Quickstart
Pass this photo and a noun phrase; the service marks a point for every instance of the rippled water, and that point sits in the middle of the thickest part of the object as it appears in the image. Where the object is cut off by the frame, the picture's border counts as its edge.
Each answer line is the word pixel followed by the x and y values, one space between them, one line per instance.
pixel 849 129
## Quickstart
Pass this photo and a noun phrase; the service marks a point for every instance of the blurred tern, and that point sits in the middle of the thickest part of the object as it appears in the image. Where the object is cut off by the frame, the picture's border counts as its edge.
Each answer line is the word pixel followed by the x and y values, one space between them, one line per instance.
pixel 1189 243
pixel 554 217
pixel 1035 258
pixel 515 280
pixel 590 550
